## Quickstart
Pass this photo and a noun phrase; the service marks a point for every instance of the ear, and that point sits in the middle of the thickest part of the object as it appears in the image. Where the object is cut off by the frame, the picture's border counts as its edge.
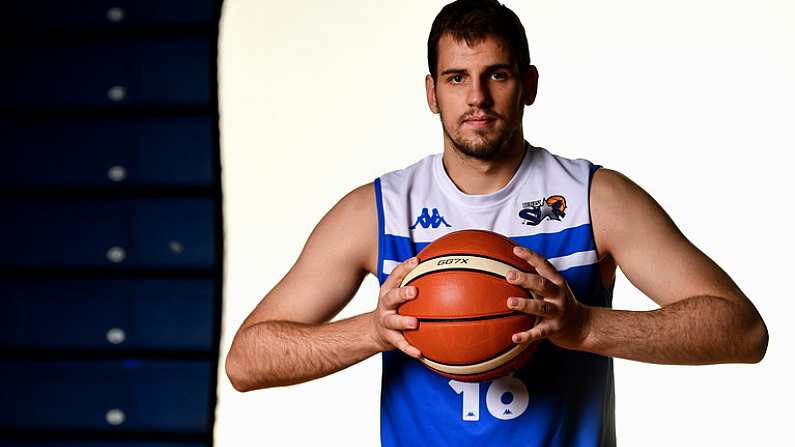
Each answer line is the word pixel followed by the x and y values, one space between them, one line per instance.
pixel 530 85
pixel 430 94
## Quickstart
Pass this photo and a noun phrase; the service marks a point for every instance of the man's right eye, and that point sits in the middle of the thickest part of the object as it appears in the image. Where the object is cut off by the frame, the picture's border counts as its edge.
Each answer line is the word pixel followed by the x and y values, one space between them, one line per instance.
pixel 457 79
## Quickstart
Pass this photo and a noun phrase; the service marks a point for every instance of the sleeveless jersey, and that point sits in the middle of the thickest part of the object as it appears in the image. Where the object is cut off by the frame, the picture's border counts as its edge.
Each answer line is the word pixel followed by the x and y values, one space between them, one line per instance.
pixel 560 397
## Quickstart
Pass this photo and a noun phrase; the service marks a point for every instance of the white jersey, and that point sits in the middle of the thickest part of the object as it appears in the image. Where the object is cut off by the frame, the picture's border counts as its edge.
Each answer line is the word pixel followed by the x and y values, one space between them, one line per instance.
pixel 560 397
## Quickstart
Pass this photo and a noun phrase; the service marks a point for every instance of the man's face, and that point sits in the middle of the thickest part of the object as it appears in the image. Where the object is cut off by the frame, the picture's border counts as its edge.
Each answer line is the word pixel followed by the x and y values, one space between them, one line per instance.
pixel 479 94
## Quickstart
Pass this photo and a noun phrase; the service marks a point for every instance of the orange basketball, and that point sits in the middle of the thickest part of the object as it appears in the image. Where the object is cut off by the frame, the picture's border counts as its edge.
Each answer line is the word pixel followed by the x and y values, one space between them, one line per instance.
pixel 465 326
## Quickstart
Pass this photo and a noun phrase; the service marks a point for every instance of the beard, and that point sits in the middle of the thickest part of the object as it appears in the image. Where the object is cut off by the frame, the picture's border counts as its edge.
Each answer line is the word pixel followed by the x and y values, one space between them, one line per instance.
pixel 484 144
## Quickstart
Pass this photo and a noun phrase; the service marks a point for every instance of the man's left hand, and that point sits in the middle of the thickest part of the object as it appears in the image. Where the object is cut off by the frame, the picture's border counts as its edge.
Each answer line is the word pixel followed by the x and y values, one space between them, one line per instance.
pixel 563 320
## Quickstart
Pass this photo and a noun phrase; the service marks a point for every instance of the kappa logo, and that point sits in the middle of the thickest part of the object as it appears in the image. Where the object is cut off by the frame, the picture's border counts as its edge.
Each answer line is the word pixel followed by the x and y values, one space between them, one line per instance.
pixel 553 207
pixel 429 220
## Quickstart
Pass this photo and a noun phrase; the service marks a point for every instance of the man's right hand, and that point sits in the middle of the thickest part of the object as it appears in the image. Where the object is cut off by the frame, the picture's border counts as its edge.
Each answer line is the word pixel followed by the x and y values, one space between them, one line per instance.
pixel 386 323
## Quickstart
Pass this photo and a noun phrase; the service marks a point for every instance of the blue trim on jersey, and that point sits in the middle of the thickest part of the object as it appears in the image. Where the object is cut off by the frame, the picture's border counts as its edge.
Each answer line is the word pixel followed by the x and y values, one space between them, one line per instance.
pixel 549 245
pixel 586 284
pixel 379 204
pixel 562 243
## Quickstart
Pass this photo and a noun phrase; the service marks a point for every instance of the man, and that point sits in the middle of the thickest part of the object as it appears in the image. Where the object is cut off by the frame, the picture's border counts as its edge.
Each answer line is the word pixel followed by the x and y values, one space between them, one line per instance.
pixel 580 223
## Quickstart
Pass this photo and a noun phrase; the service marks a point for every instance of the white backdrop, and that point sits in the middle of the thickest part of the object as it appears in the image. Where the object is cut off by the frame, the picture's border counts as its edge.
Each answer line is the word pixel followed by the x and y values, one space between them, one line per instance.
pixel 692 100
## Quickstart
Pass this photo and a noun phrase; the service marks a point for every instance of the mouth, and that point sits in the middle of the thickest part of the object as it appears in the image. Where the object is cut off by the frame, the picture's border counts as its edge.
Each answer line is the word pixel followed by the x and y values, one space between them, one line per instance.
pixel 480 122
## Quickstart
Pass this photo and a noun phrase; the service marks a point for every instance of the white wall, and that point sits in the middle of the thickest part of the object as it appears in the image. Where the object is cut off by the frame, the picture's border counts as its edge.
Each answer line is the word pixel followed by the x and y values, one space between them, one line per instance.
pixel 692 100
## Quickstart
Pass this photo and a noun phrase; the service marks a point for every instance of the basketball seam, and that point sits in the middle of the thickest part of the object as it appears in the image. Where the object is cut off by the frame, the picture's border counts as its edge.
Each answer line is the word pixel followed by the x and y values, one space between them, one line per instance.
pixel 478 367
pixel 448 267
pixel 478 362
pixel 478 318
pixel 455 269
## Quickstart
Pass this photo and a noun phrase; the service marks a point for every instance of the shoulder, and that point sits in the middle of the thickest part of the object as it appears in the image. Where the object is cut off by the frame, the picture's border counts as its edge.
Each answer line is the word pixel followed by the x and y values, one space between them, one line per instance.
pixel 621 211
pixel 421 169
pixel 356 211
pixel 358 199
pixel 608 189
pixel 608 185
pixel 614 191
pixel 350 228
pixel 577 170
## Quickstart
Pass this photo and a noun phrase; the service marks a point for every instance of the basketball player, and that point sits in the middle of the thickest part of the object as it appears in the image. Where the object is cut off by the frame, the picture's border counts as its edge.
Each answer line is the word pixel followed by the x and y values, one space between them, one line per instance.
pixel 576 223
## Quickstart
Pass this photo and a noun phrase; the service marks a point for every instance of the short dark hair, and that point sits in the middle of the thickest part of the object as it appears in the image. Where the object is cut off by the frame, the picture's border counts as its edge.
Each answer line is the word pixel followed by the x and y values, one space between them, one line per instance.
pixel 473 20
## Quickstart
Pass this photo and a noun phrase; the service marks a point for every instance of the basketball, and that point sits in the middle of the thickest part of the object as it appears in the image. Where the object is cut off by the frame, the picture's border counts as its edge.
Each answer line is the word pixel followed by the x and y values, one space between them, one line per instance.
pixel 464 325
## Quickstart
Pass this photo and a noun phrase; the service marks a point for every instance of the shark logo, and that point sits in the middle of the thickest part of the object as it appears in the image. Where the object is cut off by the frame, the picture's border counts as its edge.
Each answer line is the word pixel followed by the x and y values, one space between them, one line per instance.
pixel 553 208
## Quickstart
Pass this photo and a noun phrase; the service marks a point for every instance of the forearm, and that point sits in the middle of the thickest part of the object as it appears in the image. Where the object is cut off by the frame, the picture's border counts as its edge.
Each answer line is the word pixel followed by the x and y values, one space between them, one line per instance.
pixel 695 331
pixel 277 353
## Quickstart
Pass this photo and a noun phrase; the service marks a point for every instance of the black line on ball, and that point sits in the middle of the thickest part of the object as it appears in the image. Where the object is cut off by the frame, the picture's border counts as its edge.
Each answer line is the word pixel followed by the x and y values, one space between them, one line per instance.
pixel 478 318
pixel 455 269
pixel 477 363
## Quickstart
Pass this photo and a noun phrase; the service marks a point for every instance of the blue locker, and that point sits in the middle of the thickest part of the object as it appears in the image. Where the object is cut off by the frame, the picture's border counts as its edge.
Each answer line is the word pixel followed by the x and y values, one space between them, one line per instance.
pixel 108 153
pixel 111 315
pixel 155 396
pixel 106 233
pixel 104 15
pixel 111 73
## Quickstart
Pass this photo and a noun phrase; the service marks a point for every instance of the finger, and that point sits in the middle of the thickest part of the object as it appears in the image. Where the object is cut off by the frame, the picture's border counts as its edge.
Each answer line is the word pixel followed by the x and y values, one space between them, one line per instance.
pixel 396 277
pixel 540 263
pixel 397 340
pixel 399 323
pixel 398 296
pixel 537 284
pixel 538 307
pixel 538 332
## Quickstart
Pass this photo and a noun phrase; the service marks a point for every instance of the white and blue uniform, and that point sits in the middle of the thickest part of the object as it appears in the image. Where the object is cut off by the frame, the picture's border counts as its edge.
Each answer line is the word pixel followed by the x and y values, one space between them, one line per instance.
pixel 560 397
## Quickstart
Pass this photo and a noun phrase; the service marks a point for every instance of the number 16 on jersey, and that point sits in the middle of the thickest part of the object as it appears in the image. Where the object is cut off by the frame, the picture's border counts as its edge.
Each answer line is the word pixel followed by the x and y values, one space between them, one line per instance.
pixel 506 398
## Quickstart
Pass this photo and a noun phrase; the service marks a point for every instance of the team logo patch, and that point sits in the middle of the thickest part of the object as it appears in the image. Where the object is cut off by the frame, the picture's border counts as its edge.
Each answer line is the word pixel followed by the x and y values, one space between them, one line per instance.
pixel 553 207
pixel 429 220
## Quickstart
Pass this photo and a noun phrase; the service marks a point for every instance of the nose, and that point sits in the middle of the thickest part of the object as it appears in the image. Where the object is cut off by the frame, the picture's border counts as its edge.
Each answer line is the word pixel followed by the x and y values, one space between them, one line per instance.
pixel 479 95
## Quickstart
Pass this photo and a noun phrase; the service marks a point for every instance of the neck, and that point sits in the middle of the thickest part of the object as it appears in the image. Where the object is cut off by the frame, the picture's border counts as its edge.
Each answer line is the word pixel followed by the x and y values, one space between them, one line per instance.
pixel 476 176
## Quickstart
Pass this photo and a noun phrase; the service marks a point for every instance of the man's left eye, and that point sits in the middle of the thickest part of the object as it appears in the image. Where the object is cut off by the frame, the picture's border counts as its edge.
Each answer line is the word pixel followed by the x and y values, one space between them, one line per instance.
pixel 498 75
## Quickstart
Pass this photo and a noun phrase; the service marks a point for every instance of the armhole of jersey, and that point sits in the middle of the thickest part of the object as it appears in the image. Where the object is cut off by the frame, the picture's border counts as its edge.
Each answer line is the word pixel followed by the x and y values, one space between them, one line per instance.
pixel 591 171
pixel 379 204
pixel 606 289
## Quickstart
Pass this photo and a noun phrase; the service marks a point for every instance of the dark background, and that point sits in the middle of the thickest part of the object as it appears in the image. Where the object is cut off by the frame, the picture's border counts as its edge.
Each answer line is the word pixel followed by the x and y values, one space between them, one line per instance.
pixel 110 223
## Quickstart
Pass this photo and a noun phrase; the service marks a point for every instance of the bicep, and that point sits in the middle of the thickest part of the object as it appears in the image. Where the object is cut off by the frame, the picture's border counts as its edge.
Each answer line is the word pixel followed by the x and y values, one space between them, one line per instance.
pixel 337 256
pixel 655 256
